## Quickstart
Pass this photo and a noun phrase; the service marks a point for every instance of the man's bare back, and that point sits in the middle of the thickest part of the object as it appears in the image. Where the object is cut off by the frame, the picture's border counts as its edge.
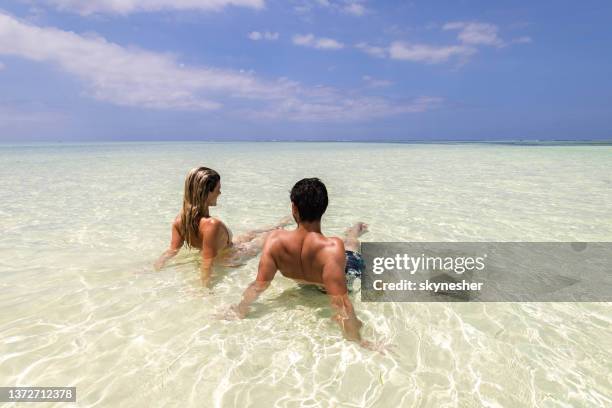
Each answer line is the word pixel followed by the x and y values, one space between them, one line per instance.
pixel 307 257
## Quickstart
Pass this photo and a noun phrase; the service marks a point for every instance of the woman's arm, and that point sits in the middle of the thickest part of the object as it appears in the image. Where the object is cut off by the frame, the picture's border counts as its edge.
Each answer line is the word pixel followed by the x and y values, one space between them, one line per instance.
pixel 176 242
pixel 210 230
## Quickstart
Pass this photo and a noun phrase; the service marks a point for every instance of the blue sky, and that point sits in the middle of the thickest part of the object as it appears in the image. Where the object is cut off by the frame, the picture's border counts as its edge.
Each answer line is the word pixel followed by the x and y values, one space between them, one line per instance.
pixel 304 69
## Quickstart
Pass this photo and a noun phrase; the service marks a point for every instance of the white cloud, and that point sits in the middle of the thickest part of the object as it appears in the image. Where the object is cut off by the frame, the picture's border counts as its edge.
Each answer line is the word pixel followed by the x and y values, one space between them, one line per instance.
pixel 428 53
pixel 309 40
pixel 266 35
pixel 372 50
pixel 86 7
pixel 348 109
pixel 476 33
pixel 305 40
pixel 1 66
pixel 355 9
pixel 471 36
pixel 376 83
pixel 144 79
pixel 328 44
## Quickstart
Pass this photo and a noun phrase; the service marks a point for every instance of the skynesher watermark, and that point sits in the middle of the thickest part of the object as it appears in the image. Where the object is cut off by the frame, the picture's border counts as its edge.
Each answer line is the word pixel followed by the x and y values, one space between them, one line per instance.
pixel 427 286
pixel 487 272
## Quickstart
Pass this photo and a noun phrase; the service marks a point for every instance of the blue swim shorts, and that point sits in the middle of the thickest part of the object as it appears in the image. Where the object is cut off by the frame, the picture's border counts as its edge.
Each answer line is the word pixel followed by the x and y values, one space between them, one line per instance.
pixel 354 268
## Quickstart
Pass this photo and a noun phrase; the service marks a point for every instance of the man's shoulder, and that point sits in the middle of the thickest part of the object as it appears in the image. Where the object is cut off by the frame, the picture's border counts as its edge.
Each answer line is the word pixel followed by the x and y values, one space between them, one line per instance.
pixel 276 238
pixel 335 246
pixel 279 234
pixel 329 247
pixel 330 243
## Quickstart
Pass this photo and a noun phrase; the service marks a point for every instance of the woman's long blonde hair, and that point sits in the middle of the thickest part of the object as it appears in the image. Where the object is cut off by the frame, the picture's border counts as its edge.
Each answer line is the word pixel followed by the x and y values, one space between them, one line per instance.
pixel 200 181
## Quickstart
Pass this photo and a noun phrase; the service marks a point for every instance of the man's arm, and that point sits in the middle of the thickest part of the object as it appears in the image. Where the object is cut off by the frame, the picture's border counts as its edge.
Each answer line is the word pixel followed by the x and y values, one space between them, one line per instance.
pixel 265 273
pixel 176 242
pixel 335 285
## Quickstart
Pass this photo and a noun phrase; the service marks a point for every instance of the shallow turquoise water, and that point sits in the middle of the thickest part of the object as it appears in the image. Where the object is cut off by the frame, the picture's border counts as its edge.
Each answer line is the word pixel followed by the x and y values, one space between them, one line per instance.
pixel 80 304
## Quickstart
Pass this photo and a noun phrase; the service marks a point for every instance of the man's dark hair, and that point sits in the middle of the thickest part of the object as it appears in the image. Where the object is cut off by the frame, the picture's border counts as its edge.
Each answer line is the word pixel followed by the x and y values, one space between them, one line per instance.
pixel 310 197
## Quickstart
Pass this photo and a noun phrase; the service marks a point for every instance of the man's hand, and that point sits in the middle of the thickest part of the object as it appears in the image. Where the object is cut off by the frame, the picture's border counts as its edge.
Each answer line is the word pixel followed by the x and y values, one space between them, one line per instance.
pixel 158 265
pixel 380 346
pixel 350 325
pixel 231 313
pixel 265 274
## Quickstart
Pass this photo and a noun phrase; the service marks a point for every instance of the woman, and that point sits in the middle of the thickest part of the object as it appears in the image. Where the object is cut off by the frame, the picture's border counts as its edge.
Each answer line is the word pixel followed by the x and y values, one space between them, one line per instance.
pixel 194 227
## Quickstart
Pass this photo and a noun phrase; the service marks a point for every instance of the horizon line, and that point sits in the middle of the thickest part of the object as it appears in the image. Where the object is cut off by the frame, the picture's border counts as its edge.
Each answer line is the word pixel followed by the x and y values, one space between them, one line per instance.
pixel 534 142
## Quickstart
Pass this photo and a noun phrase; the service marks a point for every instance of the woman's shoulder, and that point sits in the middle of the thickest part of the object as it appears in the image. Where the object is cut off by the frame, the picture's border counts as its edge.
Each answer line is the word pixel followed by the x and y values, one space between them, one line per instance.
pixel 176 222
pixel 210 223
pixel 211 227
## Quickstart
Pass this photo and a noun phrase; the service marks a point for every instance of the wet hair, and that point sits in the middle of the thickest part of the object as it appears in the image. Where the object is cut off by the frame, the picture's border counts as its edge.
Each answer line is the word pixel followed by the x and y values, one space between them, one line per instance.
pixel 200 181
pixel 310 197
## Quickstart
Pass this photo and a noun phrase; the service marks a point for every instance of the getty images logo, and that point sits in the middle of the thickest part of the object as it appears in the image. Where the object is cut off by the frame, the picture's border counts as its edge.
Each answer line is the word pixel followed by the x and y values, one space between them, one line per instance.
pixel 412 264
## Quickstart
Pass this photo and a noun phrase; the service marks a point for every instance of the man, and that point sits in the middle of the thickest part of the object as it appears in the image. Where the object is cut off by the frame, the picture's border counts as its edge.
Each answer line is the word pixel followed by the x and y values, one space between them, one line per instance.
pixel 308 256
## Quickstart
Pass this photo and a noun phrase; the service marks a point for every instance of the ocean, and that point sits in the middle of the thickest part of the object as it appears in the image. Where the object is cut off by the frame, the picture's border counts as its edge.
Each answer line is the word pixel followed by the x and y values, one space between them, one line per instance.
pixel 80 303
